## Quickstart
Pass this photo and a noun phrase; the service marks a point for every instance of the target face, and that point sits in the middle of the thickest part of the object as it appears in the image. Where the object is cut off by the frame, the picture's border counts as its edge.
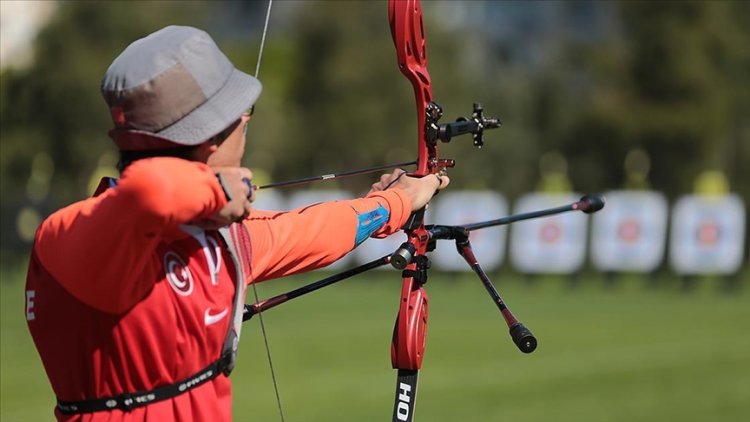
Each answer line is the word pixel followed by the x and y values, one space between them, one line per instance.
pixel 550 232
pixel 555 244
pixel 629 231
pixel 708 234
pixel 629 234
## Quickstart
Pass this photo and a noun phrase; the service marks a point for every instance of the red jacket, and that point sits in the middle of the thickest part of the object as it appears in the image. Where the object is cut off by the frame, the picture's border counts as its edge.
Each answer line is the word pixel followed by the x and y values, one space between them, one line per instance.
pixel 123 295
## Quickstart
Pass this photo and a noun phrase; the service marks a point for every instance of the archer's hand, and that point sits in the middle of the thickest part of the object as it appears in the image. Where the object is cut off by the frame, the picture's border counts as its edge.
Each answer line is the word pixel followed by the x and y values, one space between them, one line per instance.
pixel 236 184
pixel 419 189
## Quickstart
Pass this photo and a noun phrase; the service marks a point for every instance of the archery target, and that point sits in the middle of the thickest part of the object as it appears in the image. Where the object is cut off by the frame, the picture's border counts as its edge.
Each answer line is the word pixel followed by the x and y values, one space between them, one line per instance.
pixel 630 233
pixel 457 208
pixel 309 197
pixel 554 244
pixel 708 234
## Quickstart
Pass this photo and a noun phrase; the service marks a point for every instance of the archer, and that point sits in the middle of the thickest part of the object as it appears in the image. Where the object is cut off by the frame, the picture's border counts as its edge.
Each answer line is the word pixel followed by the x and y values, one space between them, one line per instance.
pixel 134 297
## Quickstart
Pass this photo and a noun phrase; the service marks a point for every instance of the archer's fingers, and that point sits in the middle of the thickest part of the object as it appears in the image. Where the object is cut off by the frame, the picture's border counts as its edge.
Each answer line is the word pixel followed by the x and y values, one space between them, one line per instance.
pixel 443 182
pixel 386 178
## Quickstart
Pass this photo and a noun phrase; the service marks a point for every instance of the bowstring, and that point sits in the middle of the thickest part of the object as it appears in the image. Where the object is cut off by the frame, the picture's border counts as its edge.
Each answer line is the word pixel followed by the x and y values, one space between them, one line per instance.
pixel 263 38
pixel 255 288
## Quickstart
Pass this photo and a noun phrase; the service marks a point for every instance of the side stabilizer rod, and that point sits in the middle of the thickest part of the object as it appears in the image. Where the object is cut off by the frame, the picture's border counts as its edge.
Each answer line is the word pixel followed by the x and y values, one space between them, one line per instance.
pixel 521 336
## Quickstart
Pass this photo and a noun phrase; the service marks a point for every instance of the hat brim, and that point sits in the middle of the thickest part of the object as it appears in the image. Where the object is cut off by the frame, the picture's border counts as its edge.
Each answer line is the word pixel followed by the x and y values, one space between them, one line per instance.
pixel 238 94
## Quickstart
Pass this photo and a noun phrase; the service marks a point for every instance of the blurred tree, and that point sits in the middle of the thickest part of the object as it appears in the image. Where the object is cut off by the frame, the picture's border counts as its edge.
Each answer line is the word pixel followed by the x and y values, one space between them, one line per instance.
pixel 54 107
pixel 330 104
pixel 662 77
pixel 668 83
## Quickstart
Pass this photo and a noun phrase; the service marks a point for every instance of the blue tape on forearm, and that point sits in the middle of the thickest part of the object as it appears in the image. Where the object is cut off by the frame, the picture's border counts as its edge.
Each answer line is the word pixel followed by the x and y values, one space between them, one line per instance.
pixel 371 222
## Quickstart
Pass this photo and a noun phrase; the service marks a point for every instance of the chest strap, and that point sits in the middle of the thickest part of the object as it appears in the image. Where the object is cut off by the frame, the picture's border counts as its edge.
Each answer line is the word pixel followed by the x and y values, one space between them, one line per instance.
pixel 129 401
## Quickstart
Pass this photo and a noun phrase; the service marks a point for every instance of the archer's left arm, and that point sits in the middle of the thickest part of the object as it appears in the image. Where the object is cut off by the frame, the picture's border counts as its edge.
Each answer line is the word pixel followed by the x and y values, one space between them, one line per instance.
pixel 304 239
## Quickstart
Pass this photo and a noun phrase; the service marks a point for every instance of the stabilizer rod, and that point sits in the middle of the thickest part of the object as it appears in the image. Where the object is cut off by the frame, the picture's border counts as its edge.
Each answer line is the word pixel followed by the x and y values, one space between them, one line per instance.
pixel 522 337
pixel 588 204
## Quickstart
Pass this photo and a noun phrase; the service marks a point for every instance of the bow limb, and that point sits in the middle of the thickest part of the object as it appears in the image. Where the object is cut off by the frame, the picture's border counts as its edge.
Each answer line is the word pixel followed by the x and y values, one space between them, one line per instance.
pixel 407 29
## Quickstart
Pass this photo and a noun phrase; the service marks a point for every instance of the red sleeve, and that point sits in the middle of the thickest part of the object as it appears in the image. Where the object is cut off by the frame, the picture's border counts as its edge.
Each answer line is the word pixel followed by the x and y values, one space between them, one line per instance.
pixel 304 239
pixel 100 249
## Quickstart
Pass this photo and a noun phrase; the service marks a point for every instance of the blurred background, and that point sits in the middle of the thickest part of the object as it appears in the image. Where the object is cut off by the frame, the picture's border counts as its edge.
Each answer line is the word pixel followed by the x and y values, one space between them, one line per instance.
pixel 648 97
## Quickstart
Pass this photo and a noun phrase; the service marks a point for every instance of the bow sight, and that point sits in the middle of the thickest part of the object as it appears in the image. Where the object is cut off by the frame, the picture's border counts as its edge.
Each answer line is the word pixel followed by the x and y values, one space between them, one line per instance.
pixel 476 125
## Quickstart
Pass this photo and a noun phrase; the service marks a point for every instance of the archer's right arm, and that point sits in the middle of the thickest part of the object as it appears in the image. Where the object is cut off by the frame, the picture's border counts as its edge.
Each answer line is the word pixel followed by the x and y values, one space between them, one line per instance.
pixel 101 249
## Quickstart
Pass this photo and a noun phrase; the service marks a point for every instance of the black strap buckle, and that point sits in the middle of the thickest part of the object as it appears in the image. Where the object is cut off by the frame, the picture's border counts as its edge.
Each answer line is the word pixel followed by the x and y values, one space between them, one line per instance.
pixel 226 363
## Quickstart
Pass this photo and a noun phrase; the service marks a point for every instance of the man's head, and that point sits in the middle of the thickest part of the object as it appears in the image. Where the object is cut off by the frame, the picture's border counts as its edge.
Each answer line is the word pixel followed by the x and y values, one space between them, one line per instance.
pixel 174 89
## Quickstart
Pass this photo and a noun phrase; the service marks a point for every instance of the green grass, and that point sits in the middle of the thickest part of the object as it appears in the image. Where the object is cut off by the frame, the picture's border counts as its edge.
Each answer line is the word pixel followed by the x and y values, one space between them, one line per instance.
pixel 626 352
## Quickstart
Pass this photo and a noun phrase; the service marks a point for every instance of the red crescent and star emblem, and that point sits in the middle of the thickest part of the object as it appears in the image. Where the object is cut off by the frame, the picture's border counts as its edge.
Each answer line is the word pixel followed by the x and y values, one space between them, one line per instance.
pixel 178 274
